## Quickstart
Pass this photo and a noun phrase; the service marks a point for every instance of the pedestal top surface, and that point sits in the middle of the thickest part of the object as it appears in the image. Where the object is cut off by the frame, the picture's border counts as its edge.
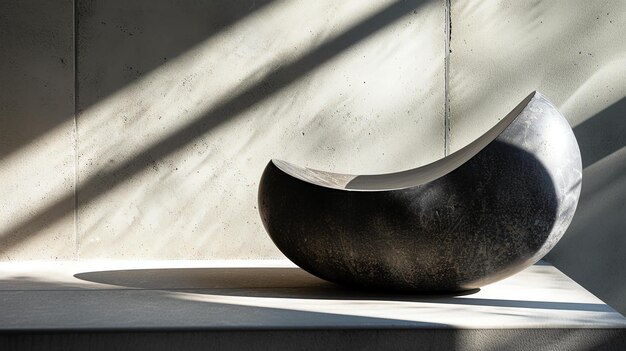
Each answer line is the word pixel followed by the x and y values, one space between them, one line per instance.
pixel 205 295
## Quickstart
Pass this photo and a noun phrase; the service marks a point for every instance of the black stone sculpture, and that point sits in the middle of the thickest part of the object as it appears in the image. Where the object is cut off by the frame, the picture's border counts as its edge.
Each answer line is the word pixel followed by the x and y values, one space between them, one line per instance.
pixel 474 217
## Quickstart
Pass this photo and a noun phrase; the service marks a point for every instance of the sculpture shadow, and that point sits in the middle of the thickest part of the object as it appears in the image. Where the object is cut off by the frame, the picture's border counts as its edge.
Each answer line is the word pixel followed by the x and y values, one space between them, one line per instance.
pixel 286 282
pixel 292 283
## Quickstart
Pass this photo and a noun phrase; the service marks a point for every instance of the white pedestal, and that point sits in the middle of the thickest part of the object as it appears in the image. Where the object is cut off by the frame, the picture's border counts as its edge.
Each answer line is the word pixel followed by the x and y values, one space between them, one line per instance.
pixel 273 305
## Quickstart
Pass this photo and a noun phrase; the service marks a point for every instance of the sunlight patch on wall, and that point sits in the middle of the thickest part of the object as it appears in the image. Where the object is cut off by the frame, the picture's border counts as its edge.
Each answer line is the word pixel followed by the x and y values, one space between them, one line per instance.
pixel 270 86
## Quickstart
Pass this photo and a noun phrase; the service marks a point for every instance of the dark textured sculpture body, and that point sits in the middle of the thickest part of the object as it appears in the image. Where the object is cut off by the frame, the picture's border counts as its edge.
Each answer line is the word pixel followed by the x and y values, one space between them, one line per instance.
pixel 477 216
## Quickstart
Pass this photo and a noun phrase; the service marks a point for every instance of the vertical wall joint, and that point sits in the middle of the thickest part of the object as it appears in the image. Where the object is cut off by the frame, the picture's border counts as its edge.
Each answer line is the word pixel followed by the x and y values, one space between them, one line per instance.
pixel 76 228
pixel 448 52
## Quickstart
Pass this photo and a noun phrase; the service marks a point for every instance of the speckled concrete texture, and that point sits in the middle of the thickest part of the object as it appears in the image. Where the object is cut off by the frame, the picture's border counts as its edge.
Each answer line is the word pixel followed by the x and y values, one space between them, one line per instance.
pixel 174 132
pixel 36 129
pixel 575 53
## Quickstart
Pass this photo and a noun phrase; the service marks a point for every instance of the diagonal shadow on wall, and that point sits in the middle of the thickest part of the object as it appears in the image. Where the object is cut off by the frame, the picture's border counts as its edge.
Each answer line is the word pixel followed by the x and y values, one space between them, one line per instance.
pixel 590 250
pixel 134 38
pixel 104 31
pixel 92 188
pixel 602 134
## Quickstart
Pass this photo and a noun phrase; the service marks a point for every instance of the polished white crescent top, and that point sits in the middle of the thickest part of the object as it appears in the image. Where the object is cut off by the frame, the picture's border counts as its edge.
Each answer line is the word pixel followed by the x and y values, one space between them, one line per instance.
pixel 411 177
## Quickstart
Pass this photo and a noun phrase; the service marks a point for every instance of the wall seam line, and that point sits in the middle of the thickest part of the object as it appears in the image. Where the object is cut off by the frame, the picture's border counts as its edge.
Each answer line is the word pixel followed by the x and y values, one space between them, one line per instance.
pixel 76 233
pixel 448 52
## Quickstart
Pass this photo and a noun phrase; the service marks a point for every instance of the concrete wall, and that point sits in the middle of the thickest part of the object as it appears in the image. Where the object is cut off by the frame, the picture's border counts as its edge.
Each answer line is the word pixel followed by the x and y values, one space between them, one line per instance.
pixel 182 103
pixel 37 144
